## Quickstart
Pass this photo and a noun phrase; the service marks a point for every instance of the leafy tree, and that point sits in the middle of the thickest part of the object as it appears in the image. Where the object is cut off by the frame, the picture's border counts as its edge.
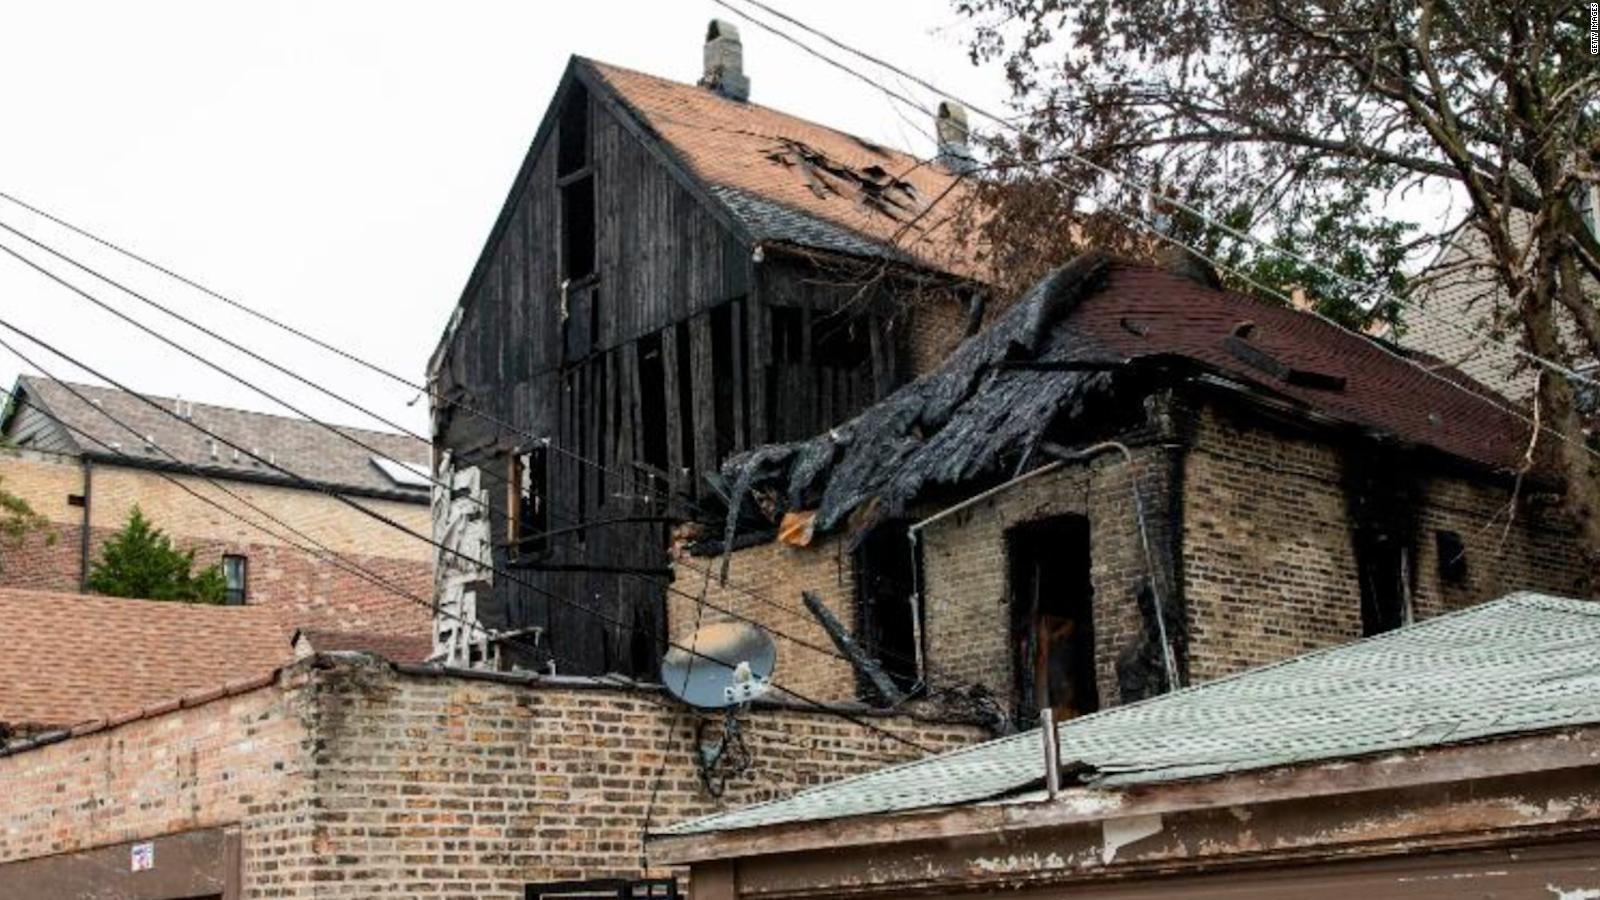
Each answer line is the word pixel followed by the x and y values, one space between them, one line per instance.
pixel 18 520
pixel 140 561
pixel 1310 124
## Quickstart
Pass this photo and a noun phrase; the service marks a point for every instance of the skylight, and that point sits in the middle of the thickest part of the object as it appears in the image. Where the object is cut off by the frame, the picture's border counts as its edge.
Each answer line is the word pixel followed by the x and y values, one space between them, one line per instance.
pixel 404 474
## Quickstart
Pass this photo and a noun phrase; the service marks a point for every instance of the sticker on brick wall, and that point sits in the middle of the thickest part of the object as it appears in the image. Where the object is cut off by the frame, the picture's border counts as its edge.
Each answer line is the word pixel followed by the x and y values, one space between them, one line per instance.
pixel 142 857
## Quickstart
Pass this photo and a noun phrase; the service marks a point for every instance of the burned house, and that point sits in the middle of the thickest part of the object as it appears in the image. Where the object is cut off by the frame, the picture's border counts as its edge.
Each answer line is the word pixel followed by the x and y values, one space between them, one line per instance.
pixel 1134 480
pixel 678 274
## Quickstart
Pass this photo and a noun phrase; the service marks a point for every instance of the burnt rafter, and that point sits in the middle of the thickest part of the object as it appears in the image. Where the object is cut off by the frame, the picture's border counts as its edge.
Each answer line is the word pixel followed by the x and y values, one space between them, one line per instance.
pixel 964 421
pixel 872 186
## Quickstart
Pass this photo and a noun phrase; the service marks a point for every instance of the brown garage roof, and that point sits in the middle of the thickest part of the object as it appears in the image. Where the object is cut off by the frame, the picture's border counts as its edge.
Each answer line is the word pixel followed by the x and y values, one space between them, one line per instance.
pixel 74 658
pixel 790 180
pixel 299 445
pixel 400 648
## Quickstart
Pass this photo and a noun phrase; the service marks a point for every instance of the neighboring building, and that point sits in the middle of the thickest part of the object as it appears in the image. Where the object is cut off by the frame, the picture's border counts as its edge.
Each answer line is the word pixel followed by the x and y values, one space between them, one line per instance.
pixel 677 274
pixel 1454 758
pixel 1465 318
pixel 343 775
pixel 84 473
pixel 978 534
pixel 74 658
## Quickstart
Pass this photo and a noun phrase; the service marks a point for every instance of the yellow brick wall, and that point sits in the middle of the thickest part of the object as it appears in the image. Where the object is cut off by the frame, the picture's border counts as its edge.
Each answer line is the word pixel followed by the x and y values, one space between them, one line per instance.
pixel 348 779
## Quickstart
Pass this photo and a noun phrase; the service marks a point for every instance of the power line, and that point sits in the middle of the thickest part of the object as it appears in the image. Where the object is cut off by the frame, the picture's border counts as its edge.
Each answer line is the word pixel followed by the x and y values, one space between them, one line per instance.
pixel 322 550
pixel 403 528
pixel 1058 152
pixel 1150 192
pixel 810 645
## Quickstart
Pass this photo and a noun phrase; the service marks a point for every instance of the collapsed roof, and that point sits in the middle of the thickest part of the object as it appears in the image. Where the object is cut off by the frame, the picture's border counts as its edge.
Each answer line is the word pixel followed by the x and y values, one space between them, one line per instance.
pixel 1051 358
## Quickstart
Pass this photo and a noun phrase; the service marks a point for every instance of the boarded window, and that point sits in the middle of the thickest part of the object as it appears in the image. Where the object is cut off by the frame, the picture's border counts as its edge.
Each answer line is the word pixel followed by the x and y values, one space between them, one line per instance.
pixel 1052 617
pixel 1384 566
pixel 886 617
pixel 528 512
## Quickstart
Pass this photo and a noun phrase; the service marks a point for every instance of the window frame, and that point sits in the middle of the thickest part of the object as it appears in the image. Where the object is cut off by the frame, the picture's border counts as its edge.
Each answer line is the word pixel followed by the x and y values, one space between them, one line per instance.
pixel 239 596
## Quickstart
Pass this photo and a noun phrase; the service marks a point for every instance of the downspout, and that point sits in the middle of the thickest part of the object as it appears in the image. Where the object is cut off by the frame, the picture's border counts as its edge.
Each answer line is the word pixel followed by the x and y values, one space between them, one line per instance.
pixel 83 536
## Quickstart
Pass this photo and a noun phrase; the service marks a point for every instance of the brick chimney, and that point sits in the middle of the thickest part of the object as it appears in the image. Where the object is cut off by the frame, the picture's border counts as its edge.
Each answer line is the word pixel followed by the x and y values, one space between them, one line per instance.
pixel 950 125
pixel 724 62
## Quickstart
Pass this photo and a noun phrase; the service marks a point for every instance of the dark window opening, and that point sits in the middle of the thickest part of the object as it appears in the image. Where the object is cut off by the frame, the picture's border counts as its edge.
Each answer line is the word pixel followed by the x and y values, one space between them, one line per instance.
pixel 577 229
pixel 724 379
pixel 235 571
pixel 842 342
pixel 685 401
pixel 604 413
pixel 1052 617
pixel 572 152
pixel 887 625
pixel 1452 557
pixel 528 519
pixel 1383 565
pixel 653 403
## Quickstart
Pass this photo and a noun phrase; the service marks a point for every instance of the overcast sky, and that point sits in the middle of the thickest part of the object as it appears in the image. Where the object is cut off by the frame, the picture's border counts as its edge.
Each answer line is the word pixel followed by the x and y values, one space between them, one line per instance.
pixel 338 164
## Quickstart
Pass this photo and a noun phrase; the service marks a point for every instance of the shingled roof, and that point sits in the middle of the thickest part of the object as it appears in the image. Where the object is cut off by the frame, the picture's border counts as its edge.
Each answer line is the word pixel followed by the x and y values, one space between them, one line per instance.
pixel 299 445
pixel 789 180
pixel 75 658
pixel 1052 356
pixel 1523 664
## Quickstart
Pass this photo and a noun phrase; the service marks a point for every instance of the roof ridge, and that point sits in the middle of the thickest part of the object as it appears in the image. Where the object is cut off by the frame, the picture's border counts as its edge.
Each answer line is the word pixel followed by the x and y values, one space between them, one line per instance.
pixel 745 104
pixel 158 398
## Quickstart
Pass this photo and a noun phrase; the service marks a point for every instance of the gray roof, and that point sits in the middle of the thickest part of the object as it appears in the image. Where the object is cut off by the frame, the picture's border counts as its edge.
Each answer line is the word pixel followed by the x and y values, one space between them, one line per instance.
pixel 298 445
pixel 1524 663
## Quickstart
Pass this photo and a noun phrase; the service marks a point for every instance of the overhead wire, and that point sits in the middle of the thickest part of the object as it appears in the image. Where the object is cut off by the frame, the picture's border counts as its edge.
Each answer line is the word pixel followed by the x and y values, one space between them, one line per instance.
pixel 581 524
pixel 1060 152
pixel 394 524
pixel 1151 192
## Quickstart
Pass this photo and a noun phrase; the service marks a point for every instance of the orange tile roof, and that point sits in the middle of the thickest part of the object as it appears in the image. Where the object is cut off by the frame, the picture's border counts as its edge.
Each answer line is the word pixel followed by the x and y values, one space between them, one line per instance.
pixel 754 159
pixel 73 658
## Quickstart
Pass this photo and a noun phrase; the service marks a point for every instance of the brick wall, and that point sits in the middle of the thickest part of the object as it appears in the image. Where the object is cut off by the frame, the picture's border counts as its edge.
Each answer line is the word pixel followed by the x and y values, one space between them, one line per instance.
pixel 349 779
pixel 1269 560
pixel 244 759
pixel 309 590
pixel 967 599
pixel 764 585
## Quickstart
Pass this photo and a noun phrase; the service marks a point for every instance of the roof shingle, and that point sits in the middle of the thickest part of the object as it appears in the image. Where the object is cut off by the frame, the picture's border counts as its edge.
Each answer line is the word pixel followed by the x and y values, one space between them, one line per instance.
pixel 1525 663
pixel 790 180
pixel 73 658
pixel 299 445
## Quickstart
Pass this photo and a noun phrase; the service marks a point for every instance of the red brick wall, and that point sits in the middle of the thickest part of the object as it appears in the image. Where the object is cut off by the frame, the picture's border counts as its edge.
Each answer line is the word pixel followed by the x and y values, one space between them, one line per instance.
pixel 244 759
pixel 308 590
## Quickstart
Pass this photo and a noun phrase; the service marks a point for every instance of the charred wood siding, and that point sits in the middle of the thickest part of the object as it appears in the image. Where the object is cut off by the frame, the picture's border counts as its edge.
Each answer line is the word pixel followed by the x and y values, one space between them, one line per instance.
pixel 643 374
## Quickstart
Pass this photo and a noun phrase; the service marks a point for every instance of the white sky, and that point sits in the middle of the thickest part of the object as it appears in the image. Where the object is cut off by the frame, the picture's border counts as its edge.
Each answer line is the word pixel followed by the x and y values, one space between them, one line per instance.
pixel 338 165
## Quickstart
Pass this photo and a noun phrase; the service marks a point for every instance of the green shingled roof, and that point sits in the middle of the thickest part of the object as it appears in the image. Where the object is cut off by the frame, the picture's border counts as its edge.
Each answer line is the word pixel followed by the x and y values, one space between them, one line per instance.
pixel 1526 662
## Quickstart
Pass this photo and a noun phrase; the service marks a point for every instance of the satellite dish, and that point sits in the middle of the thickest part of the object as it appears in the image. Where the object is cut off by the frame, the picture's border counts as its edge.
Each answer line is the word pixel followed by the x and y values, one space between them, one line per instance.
pixel 731 664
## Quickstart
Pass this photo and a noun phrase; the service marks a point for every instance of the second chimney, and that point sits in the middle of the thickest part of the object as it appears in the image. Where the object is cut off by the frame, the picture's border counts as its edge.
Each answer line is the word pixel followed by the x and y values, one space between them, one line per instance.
pixel 724 62
pixel 950 125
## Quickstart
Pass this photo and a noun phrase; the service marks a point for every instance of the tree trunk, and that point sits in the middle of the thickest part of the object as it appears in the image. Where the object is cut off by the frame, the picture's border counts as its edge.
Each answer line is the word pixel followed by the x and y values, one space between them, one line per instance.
pixel 1577 465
